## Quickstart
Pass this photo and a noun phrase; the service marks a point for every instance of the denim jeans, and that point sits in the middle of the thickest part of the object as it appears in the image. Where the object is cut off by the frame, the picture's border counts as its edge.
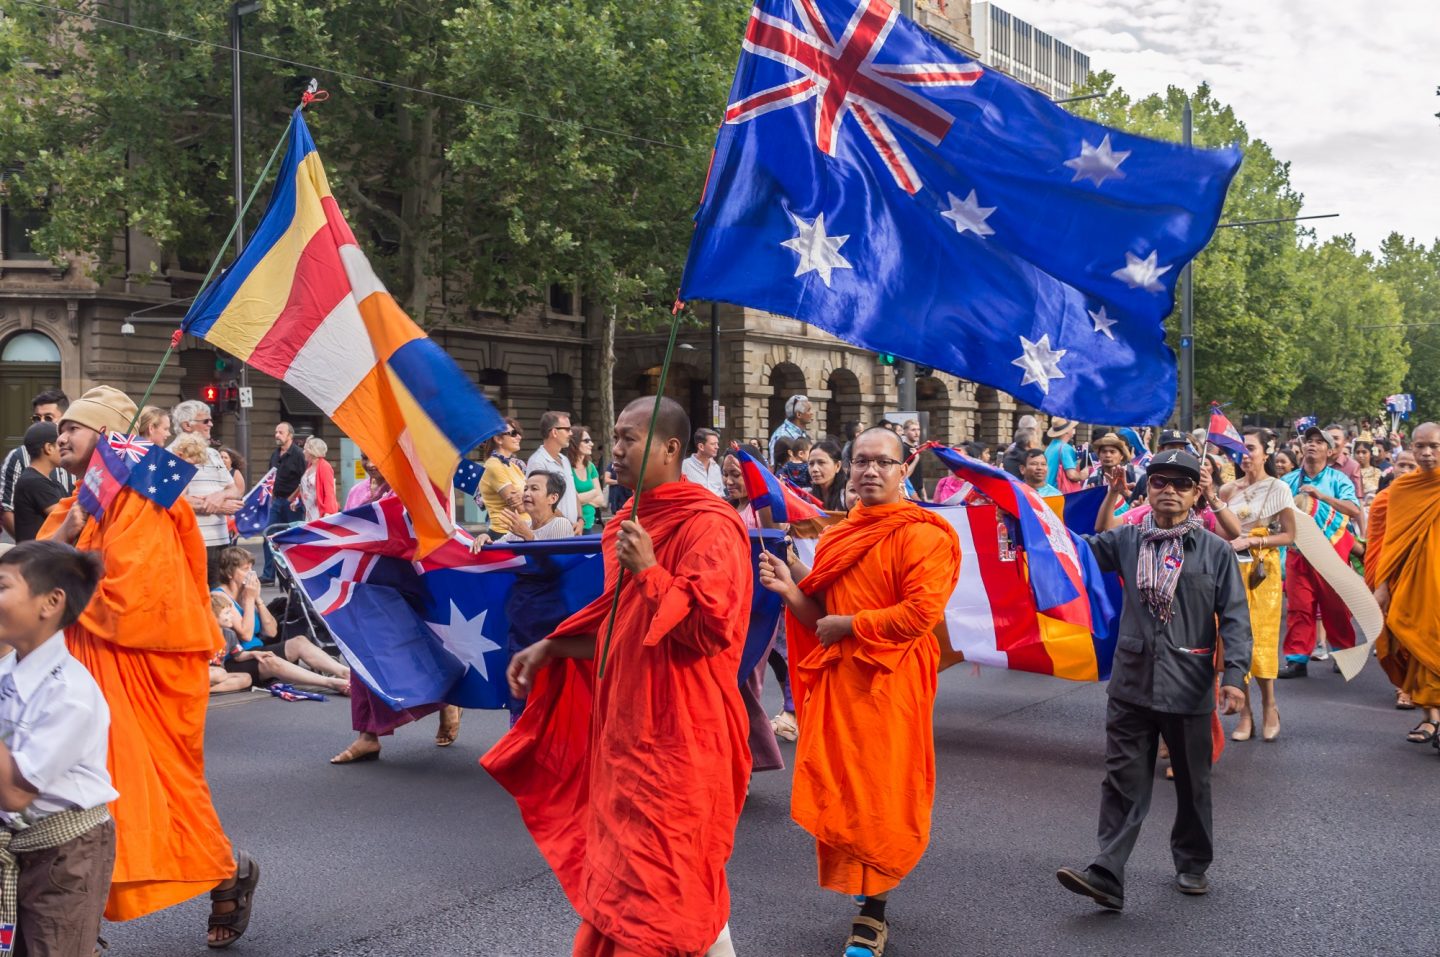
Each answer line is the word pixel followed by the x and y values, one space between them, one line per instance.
pixel 281 513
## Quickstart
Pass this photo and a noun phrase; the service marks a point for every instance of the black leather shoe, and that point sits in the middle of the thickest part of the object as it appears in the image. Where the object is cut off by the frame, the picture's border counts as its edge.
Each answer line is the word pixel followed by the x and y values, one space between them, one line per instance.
pixel 1094 884
pixel 1192 883
pixel 1294 669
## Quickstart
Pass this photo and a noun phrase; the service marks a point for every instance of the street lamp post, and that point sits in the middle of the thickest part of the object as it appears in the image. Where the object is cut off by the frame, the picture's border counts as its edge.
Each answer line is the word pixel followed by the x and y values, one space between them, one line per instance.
pixel 1187 312
pixel 905 369
pixel 238 10
pixel 715 366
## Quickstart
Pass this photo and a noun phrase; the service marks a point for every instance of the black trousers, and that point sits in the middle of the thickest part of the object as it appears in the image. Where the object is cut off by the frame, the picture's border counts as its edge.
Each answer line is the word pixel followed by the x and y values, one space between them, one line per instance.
pixel 1132 735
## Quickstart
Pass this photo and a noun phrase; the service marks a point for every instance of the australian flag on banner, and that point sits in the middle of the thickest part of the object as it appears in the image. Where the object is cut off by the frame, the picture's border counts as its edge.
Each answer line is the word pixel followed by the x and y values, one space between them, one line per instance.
pixel 872 181
pixel 121 461
pixel 254 512
pixel 441 629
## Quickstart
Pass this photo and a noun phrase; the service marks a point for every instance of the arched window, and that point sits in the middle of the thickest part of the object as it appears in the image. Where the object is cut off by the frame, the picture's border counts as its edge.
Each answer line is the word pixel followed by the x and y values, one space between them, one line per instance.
pixel 29 347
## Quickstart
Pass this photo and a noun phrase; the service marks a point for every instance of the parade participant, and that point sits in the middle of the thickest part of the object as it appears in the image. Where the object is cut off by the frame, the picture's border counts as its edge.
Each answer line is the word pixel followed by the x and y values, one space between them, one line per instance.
pixel 1339 455
pixel 702 467
pixel 45 407
pixel 147 638
pixel 57 843
pixel 1307 595
pixel 555 432
pixel 1013 461
pixel 793 462
pixel 503 481
pixel 1182 594
pixel 1062 466
pixel 1369 473
pixel 1263 506
pixel 861 626
pixel 665 726
pixel 1033 473
pixel 1405 573
pixel 1284 462
pixel 799 413
pixel 828 476
pixel 1404 464
pixel 372 488
pixel 1112 453
pixel 36 493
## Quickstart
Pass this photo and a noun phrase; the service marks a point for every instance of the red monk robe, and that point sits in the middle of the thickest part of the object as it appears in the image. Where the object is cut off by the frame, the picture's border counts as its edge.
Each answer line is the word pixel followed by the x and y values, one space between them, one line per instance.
pixel 865 764
pixel 632 785
pixel 147 637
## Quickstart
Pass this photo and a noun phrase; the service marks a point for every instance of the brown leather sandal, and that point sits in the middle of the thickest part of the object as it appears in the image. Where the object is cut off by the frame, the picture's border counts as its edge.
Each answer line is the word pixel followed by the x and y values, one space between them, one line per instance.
pixel 859 946
pixel 352 755
pixel 242 892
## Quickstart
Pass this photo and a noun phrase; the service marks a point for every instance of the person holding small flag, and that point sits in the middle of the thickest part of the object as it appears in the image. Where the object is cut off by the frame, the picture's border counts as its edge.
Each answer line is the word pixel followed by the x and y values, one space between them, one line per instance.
pixel 147 637
pixel 860 626
pixel 1182 594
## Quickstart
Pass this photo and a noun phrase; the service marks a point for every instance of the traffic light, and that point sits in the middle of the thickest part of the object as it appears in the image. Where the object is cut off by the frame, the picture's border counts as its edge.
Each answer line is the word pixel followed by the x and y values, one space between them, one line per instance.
pixel 885 358
pixel 232 397
pixel 210 394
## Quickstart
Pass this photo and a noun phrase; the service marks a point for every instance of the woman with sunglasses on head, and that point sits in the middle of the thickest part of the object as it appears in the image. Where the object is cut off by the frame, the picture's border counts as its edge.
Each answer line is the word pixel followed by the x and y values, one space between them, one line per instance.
pixel 1262 505
pixel 581 454
pixel 503 482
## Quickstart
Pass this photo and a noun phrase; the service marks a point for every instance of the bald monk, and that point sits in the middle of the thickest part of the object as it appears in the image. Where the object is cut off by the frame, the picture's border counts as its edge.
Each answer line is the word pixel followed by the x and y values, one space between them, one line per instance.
pixel 147 637
pixel 864 663
pixel 1391 656
pixel 631 781
pixel 1405 574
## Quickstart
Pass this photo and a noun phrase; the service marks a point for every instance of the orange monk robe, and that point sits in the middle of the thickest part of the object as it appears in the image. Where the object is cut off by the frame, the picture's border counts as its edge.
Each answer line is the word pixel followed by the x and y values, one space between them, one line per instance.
pixel 1409 562
pixel 147 637
pixel 632 784
pixel 865 764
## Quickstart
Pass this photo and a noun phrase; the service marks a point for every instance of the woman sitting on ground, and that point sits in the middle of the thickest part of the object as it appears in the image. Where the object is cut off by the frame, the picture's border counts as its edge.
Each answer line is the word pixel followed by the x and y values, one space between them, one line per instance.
pixel 260 653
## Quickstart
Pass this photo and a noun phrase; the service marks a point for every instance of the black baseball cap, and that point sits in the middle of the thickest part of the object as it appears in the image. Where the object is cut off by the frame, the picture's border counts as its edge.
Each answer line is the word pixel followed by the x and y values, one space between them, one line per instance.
pixel 1174 460
pixel 1172 437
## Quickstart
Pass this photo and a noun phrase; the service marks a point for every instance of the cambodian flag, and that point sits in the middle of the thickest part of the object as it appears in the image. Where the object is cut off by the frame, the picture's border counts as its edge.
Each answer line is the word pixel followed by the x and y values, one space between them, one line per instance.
pixel 1224 435
pixel 766 491
pixel 104 477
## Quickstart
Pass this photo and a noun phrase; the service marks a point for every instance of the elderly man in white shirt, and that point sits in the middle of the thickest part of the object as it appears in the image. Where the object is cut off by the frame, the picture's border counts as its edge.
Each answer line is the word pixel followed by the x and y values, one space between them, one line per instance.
pixel 212 491
pixel 703 468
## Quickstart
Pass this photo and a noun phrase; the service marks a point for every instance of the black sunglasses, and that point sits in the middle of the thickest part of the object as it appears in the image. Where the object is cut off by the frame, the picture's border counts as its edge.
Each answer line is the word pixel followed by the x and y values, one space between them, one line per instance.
pixel 1180 483
pixel 514 434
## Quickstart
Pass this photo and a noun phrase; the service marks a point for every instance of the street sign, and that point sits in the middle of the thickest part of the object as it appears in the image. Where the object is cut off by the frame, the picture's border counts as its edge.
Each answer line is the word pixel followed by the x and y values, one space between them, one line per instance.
pixel 717 413
pixel 247 397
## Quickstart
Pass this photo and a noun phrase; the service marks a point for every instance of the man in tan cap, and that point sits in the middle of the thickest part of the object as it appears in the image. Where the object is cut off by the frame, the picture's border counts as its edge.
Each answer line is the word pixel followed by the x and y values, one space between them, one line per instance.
pixel 1062 466
pixel 147 637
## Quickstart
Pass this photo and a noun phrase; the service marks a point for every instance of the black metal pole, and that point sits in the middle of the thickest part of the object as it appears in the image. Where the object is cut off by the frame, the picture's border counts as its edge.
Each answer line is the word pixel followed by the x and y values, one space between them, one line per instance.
pixel 1187 314
pixel 237 104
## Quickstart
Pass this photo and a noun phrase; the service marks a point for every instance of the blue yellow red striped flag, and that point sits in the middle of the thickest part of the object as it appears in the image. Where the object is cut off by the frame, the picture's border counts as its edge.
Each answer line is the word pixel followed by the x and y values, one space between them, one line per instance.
pixel 302 304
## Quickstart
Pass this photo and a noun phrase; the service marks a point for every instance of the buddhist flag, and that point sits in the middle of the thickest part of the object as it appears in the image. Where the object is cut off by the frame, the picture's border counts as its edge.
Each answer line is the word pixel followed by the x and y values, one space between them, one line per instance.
pixel 303 305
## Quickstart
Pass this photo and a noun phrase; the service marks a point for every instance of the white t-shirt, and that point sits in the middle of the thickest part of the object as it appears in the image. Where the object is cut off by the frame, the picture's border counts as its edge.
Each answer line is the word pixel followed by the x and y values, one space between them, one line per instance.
pixel 695 471
pixel 54 719
pixel 210 478
pixel 569 502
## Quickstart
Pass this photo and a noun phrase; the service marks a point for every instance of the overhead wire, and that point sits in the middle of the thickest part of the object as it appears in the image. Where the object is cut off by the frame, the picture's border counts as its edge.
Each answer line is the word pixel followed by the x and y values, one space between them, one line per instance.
pixel 359 77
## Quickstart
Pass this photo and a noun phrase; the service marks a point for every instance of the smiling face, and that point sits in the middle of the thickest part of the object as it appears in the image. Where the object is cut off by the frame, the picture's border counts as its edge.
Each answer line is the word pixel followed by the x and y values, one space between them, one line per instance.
pixel 537 501
pixel 734 480
pixel 877 464
pixel 76 444
pixel 1034 470
pixel 24 615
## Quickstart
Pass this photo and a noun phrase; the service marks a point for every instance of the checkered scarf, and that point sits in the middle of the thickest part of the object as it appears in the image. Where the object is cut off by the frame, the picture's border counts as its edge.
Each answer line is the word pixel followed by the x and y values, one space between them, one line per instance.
pixel 50 831
pixel 1162 555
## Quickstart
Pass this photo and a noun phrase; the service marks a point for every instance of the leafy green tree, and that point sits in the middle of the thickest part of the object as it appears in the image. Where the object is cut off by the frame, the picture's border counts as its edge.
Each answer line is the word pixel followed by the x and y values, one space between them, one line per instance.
pixel 1412 270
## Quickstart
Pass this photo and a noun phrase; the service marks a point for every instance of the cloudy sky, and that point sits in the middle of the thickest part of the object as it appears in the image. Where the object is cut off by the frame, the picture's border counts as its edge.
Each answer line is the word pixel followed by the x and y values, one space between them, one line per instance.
pixel 1344 91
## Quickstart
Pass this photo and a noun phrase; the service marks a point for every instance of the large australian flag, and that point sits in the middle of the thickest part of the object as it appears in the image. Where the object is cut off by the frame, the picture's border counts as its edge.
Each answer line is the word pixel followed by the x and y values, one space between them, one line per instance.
pixel 872 181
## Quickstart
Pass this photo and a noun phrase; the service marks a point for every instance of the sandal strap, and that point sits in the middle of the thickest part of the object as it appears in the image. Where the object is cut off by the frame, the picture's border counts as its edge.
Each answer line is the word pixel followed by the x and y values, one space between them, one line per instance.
pixel 878 926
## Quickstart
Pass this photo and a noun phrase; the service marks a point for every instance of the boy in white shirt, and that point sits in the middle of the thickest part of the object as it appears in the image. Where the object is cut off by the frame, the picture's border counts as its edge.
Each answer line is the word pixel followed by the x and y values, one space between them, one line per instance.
pixel 54 786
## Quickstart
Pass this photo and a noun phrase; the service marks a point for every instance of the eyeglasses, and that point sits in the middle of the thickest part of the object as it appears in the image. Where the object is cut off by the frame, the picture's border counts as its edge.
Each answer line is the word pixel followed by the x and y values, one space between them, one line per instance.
pixel 514 434
pixel 563 428
pixel 1180 483
pixel 204 421
pixel 586 440
pixel 861 466
pixel 47 417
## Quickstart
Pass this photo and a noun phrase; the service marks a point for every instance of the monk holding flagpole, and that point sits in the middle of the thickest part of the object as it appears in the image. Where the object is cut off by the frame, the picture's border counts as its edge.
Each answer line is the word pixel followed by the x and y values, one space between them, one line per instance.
pixel 865 657
pixel 631 781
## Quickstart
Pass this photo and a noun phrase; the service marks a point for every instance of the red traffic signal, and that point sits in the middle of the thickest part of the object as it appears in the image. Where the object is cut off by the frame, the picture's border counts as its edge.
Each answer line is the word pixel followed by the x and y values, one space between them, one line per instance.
pixel 210 394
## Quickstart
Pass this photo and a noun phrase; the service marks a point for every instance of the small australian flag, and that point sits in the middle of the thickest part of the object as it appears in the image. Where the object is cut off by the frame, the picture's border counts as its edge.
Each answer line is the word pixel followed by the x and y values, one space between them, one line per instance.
pixel 161 476
pixel 467 476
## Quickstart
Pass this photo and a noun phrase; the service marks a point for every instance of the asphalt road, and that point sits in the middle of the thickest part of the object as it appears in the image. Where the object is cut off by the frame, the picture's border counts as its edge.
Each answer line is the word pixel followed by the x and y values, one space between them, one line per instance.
pixel 1326 840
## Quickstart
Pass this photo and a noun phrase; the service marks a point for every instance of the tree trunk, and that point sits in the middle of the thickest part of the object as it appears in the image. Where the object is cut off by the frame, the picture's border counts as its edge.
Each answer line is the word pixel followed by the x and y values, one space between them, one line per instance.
pixel 607 370
pixel 419 208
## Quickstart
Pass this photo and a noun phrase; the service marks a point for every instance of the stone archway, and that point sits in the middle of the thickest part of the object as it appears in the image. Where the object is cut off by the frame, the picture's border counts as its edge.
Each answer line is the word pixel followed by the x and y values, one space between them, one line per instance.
pixel 685 384
pixel 786 380
pixel 993 430
pixel 844 406
pixel 933 398
pixel 29 364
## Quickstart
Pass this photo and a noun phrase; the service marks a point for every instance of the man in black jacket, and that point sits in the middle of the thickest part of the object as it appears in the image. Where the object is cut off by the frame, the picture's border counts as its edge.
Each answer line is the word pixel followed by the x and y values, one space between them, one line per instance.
pixel 288 461
pixel 1179 580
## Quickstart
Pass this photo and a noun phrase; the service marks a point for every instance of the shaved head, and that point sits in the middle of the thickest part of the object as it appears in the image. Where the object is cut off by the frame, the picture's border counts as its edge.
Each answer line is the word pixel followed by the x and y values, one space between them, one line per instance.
pixel 877 467
pixel 667 447
pixel 893 444
pixel 1425 442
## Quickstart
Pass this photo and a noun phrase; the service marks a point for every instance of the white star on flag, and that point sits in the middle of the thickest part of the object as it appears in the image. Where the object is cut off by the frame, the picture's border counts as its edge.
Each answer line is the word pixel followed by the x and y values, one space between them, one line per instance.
pixel 968 214
pixel 1102 322
pixel 175 477
pixel 170 464
pixel 152 490
pixel 818 252
pixel 152 466
pixel 1040 362
pixel 465 638
pixel 1097 163
pixel 1143 273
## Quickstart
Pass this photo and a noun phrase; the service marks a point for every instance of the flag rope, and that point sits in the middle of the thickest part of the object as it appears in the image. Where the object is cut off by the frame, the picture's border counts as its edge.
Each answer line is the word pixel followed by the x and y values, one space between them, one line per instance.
pixel 640 480
pixel 214 264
